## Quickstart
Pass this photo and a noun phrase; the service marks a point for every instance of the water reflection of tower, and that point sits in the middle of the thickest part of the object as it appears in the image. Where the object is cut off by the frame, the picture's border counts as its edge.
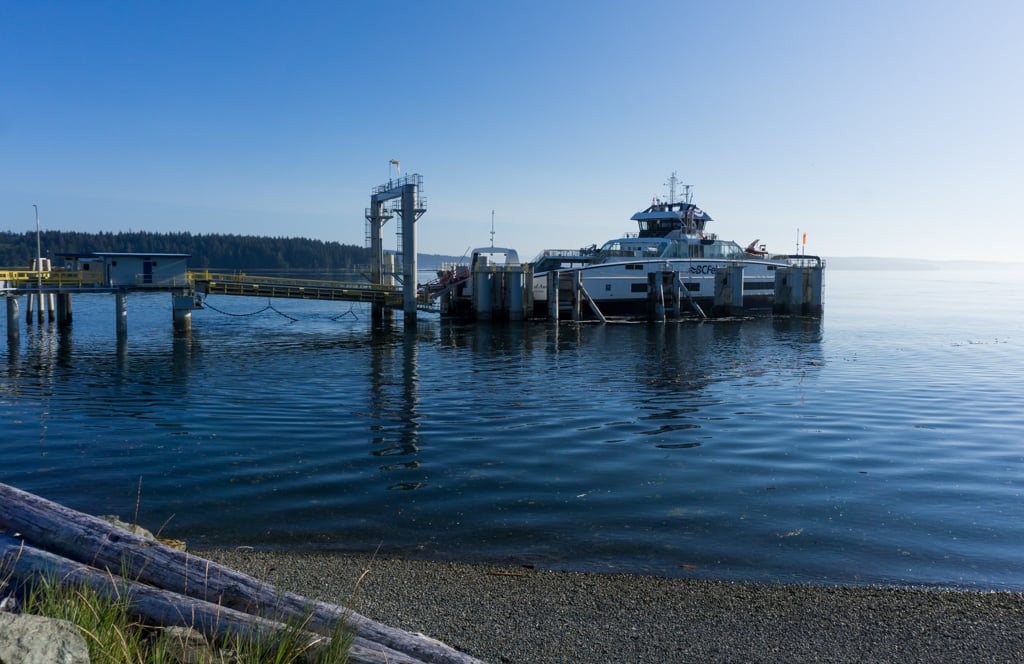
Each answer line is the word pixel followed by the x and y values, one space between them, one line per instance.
pixel 395 403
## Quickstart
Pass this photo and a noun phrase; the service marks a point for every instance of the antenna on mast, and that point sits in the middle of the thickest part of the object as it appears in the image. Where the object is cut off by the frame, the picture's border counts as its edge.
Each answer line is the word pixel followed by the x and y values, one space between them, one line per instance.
pixel 673 182
pixel 492 228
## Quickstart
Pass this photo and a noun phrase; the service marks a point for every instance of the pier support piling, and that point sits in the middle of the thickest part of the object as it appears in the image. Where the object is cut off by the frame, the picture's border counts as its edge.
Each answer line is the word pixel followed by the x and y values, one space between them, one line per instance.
pixel 552 277
pixel 63 309
pixel 37 307
pixel 676 295
pixel 13 331
pixel 183 304
pixel 814 287
pixel 788 288
pixel 482 290
pixel 655 297
pixel 121 313
pixel 577 295
pixel 798 290
pixel 729 291
pixel 515 294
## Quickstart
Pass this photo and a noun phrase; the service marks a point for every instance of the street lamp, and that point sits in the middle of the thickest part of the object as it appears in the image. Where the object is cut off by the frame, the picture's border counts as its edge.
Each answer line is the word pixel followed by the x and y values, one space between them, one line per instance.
pixel 39 253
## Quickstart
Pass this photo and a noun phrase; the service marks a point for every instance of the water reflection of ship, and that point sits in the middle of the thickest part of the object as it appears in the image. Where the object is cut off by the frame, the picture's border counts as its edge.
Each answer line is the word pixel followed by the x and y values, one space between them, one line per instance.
pixel 683 373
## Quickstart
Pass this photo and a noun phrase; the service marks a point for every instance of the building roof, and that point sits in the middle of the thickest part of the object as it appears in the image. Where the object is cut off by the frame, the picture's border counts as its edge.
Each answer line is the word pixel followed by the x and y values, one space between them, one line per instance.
pixel 117 254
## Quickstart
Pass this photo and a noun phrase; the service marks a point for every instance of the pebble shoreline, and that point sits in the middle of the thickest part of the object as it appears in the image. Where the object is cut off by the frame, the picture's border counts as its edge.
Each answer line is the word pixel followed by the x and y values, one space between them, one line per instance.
pixel 511 614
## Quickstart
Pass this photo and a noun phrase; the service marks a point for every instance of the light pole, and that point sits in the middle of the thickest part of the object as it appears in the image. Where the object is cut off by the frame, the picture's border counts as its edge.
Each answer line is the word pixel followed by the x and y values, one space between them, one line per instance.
pixel 39 260
pixel 39 268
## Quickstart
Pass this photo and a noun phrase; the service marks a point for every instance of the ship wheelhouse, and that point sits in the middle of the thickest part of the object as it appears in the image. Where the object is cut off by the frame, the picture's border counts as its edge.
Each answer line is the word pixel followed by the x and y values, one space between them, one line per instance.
pixel 662 218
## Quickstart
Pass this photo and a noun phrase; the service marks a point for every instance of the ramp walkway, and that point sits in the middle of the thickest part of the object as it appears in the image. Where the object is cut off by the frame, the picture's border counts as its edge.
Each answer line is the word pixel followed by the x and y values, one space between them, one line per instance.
pixel 210 283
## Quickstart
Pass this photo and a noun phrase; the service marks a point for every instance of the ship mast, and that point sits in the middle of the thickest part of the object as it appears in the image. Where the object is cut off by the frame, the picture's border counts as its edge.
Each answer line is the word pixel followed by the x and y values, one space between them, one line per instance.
pixel 673 181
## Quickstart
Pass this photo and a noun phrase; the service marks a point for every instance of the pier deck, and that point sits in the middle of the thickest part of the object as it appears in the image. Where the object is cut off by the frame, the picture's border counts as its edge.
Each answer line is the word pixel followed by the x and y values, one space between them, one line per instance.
pixel 302 289
pixel 16 282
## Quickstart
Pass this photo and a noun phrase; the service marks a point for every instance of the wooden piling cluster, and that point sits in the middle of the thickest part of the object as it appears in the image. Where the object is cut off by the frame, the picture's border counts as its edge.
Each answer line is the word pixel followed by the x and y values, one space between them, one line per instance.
pixel 43 540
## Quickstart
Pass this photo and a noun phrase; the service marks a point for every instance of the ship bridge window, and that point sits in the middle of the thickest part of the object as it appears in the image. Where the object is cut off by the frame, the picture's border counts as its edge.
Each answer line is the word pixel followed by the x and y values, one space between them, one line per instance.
pixel 656 225
pixel 724 250
pixel 677 250
pixel 639 249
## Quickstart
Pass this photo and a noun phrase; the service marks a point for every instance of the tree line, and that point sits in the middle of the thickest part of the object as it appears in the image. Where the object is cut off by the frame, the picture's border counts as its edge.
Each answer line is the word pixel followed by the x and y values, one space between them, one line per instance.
pixel 210 251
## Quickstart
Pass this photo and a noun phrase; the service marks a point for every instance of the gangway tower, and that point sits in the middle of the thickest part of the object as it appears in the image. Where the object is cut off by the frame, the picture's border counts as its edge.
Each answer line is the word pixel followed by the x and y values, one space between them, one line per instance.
pixel 400 196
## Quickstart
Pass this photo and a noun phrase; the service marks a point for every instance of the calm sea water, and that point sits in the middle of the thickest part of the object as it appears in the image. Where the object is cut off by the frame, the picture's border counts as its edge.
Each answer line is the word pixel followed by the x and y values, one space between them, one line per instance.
pixel 883 443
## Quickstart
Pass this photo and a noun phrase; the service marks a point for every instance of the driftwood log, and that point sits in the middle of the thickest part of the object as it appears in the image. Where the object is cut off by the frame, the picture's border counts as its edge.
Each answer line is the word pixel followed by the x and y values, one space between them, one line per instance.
pixel 160 607
pixel 172 587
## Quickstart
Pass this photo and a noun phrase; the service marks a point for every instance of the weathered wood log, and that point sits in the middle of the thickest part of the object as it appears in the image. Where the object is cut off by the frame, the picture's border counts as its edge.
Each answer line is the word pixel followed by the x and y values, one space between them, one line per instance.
pixel 94 542
pixel 24 564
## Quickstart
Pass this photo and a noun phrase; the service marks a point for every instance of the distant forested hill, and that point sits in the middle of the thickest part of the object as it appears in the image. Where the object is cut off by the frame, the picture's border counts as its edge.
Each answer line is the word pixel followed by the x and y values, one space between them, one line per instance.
pixel 217 252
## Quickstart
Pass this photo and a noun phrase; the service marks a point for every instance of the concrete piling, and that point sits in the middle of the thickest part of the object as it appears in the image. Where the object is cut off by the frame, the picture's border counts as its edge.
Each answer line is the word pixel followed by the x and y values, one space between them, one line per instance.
pixel 121 312
pixel 729 291
pixel 13 331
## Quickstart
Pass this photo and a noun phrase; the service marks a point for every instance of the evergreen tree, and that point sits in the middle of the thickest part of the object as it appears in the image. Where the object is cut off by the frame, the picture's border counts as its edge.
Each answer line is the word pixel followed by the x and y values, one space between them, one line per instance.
pixel 255 254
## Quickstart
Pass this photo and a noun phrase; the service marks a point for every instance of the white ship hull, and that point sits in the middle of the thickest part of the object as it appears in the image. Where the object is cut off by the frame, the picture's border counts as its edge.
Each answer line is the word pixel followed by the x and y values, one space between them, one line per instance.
pixel 623 286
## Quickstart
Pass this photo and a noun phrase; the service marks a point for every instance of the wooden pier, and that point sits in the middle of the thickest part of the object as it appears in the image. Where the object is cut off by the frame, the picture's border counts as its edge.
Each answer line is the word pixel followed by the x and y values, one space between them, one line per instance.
pixel 48 294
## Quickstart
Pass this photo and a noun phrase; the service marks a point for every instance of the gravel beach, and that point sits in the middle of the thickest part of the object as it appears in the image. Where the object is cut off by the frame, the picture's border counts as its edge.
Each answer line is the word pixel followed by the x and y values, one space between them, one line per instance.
pixel 512 614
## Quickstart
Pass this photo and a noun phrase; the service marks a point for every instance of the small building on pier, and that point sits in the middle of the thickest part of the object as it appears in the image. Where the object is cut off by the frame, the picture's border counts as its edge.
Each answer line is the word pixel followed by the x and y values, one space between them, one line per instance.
pixel 131 270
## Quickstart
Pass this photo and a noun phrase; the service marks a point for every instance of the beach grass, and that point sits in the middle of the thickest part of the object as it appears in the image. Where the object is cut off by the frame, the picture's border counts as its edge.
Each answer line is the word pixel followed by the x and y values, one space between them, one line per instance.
pixel 114 636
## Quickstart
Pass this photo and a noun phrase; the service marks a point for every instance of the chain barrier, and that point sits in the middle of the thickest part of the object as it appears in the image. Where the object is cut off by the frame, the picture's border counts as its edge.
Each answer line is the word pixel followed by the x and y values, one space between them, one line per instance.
pixel 270 306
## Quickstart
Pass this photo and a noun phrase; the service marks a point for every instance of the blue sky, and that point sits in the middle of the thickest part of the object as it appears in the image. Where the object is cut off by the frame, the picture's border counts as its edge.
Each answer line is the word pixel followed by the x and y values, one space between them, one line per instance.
pixel 879 128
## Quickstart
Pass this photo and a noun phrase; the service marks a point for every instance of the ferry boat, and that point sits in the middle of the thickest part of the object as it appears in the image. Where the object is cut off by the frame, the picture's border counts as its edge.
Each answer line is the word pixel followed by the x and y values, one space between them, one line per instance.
pixel 672 237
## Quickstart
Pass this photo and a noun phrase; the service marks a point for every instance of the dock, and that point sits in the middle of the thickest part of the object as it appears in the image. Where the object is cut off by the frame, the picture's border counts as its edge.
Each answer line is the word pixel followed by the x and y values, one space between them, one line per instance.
pixel 485 290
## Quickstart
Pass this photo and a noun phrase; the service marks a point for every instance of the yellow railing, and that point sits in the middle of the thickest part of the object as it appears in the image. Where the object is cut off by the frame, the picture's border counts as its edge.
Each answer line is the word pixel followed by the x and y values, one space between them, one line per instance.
pixel 242 278
pixel 51 278
pixel 219 283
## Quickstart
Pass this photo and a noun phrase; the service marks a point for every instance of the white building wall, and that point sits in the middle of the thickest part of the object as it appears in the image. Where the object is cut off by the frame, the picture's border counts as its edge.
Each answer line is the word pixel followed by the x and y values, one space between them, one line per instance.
pixel 143 271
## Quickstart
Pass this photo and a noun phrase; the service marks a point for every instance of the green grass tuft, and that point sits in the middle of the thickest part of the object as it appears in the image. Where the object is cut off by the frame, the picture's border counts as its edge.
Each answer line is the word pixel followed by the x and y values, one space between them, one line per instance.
pixel 114 637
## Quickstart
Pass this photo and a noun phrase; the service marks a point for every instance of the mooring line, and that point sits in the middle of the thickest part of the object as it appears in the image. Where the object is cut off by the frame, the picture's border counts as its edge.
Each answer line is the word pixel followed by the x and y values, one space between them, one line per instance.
pixel 350 312
pixel 207 305
pixel 271 307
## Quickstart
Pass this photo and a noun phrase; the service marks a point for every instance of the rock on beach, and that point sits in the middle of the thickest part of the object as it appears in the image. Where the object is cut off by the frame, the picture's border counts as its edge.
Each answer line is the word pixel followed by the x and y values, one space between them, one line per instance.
pixel 28 639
